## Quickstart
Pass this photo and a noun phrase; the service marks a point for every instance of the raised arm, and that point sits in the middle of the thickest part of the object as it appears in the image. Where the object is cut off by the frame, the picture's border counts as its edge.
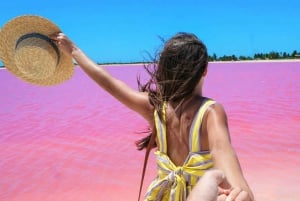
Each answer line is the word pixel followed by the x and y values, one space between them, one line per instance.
pixel 133 99
pixel 223 154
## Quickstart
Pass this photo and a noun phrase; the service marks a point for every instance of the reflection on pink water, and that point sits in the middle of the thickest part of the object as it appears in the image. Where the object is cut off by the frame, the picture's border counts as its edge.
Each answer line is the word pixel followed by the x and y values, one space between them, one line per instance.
pixel 73 142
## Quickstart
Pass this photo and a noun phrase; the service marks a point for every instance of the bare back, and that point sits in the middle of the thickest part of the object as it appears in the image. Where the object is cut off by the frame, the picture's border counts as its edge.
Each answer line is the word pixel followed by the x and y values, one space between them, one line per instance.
pixel 178 125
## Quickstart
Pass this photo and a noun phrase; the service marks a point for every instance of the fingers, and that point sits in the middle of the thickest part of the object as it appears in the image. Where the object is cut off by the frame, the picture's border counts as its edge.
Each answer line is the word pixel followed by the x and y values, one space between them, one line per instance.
pixel 223 191
pixel 237 194
pixel 54 36
pixel 57 34
pixel 221 197
pixel 58 37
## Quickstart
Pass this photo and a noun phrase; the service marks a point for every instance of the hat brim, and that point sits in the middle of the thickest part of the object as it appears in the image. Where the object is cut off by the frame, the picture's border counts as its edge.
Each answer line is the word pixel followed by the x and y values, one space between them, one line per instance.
pixel 20 26
pixel 0 46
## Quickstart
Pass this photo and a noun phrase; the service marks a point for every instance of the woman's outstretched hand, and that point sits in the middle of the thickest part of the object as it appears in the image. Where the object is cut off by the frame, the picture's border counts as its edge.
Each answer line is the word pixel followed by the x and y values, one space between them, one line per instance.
pixel 63 43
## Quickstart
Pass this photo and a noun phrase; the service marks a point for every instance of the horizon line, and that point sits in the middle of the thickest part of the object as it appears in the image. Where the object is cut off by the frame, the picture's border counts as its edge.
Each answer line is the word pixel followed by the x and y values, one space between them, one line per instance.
pixel 237 61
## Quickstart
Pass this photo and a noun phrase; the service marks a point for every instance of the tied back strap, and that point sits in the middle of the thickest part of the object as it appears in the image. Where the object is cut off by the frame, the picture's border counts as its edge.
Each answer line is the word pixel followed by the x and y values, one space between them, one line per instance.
pixel 150 145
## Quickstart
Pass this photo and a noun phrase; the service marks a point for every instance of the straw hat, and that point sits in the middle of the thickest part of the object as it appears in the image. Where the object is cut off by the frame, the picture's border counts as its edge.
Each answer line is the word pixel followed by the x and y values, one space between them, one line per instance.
pixel 28 53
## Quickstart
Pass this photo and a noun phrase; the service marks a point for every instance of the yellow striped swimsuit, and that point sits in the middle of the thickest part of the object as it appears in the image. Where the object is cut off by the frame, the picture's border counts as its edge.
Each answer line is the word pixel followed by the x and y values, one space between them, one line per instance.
pixel 174 183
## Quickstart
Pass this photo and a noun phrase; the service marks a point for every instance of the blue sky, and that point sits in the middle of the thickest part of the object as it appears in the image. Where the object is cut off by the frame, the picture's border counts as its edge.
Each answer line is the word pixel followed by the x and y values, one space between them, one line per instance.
pixel 122 30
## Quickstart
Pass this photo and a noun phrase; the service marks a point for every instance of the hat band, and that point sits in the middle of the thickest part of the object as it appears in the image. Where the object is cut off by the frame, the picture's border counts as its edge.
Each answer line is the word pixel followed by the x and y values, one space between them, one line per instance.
pixel 40 36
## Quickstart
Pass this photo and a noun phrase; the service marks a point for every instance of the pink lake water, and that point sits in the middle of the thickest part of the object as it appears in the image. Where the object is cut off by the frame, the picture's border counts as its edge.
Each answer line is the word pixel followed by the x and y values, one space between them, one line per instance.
pixel 73 142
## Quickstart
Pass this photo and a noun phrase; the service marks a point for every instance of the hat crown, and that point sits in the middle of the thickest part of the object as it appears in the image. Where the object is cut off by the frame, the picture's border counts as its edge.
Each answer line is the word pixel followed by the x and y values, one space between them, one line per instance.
pixel 36 55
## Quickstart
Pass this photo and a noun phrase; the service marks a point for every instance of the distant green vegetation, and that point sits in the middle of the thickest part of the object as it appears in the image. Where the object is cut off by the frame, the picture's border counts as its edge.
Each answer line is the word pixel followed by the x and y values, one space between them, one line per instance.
pixel 257 56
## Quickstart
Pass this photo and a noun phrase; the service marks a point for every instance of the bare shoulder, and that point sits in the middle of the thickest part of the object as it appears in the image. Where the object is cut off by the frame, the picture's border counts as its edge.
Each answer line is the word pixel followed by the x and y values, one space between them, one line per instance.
pixel 216 107
pixel 216 124
pixel 215 113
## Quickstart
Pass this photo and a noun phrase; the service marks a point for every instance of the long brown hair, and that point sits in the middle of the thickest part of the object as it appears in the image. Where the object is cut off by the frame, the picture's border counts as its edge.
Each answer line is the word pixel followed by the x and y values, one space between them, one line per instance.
pixel 175 74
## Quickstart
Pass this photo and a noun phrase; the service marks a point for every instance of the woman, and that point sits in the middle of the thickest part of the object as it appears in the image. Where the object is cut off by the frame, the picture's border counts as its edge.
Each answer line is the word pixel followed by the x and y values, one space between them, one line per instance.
pixel 190 130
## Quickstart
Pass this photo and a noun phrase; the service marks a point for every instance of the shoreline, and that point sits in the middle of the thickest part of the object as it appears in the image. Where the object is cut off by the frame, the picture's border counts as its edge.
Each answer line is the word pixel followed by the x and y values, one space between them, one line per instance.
pixel 241 61
pixel 216 62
